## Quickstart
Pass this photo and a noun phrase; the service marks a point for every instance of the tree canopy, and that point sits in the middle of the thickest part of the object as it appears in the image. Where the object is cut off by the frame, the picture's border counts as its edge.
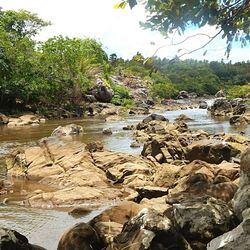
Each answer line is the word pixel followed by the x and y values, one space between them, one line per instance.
pixel 230 17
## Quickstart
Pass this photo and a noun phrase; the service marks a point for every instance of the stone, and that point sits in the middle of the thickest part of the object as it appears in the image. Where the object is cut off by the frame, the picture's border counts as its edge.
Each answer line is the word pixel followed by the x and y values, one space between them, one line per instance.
pixel 154 117
pixel 183 117
pixel 80 236
pixel 203 219
pixel 183 95
pixel 12 240
pixel 3 119
pixel 71 129
pixel 150 192
pixel 149 230
pixel 241 200
pixel 236 239
pixel 23 120
pixel 212 151
pixel 107 131
pixel 203 105
pixel 221 107
pixel 96 146
pixel 220 93
pixel 101 92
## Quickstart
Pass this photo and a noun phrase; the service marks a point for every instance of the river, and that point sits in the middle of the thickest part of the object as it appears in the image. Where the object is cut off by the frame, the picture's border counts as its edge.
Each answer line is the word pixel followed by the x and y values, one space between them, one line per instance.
pixel 45 227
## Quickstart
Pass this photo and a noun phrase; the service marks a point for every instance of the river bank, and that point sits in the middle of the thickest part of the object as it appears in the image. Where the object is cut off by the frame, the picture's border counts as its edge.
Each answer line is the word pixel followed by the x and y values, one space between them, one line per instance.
pixel 120 140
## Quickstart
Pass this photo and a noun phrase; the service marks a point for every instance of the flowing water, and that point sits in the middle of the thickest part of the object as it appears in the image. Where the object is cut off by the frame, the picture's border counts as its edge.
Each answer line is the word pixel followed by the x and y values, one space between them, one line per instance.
pixel 44 227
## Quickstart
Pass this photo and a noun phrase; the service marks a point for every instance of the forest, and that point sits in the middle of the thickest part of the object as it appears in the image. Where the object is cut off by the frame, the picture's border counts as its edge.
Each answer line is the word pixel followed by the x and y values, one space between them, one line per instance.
pixel 61 70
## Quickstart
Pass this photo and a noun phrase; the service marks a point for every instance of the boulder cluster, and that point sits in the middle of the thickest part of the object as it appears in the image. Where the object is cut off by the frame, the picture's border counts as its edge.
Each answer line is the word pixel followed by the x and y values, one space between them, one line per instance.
pixel 187 190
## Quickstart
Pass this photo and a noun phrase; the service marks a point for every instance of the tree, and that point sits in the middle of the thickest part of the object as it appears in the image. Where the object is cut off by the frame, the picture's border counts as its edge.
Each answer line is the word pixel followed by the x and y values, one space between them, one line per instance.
pixel 230 17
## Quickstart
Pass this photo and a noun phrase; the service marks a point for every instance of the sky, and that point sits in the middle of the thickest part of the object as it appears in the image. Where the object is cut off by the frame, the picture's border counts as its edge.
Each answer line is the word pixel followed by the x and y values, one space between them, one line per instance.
pixel 119 31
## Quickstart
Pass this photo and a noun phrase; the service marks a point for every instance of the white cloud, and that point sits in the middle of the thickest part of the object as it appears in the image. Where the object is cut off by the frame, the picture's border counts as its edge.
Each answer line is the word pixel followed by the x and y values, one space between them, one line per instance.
pixel 118 30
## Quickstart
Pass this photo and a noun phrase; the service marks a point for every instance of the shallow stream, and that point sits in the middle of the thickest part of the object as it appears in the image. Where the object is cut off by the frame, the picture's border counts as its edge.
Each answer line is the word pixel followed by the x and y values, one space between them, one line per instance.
pixel 45 227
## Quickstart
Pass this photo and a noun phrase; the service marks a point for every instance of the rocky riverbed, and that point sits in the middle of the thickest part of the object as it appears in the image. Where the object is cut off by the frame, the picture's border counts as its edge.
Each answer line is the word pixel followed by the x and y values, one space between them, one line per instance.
pixel 180 193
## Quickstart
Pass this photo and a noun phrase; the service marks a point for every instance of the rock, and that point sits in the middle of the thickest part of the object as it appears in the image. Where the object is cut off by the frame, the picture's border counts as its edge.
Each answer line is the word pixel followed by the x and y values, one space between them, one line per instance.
pixel 203 105
pixel 107 131
pixel 80 211
pixel 12 240
pixel 135 145
pixel 23 121
pixel 67 168
pixel 159 204
pixel 101 92
pixel 149 230
pixel 221 107
pixel 212 151
pixel 154 117
pixel 96 146
pixel 203 219
pixel 183 117
pixel 150 102
pixel 239 109
pixel 110 222
pixel 129 127
pixel 3 119
pixel 89 98
pixel 113 118
pixel 220 93
pixel 131 174
pixel 237 120
pixel 109 111
pixel 71 129
pixel 236 239
pixel 183 95
pixel 80 236
pixel 242 196
pixel 150 192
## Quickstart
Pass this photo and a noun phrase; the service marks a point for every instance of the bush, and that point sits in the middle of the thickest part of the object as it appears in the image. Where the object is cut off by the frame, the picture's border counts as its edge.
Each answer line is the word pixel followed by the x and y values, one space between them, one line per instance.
pixel 164 90
pixel 238 91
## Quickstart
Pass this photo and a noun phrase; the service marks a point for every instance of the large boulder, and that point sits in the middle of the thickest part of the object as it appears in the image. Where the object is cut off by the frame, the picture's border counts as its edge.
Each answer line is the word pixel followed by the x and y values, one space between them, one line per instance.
pixel 183 118
pixel 102 92
pixel 183 95
pixel 149 229
pixel 154 117
pixel 67 168
pixel 110 222
pixel 236 239
pixel 12 240
pixel 81 236
pixel 221 107
pixel 242 196
pixel 71 129
pixel 203 105
pixel 220 93
pixel 212 151
pixel 203 219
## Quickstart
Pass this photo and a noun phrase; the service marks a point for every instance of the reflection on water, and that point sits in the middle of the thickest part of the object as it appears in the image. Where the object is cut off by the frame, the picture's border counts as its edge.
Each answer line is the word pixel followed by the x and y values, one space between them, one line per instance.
pixel 45 227
pixel 42 227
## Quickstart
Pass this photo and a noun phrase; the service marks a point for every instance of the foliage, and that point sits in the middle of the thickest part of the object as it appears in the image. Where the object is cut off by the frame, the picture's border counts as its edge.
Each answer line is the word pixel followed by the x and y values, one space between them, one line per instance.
pixel 164 90
pixel 121 95
pixel 230 17
pixel 238 91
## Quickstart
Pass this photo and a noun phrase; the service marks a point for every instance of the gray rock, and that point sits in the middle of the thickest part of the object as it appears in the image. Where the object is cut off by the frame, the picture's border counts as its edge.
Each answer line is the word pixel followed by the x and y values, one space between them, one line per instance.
pixel 237 239
pixel 12 240
pixel 149 230
pixel 107 131
pixel 71 129
pixel 203 219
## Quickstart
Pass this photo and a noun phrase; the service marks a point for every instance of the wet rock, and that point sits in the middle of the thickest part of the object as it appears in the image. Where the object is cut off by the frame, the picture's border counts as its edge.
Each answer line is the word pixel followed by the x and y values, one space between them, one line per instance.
pixel 203 219
pixel 129 127
pixel 236 239
pixel 68 168
pixel 80 236
pixel 12 240
pixel 221 107
pixel 240 120
pixel 203 105
pixel 23 121
pixel 239 109
pixel 71 129
pixel 211 151
pixel 96 146
pixel 154 117
pixel 149 230
pixel 107 131
pixel 109 111
pixel 113 118
pixel 135 145
pixel 3 119
pixel 80 211
pixel 183 117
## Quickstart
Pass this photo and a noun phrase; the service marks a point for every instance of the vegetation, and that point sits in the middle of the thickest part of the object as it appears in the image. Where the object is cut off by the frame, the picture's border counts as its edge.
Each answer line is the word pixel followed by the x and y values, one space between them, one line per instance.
pixel 61 70
pixel 230 17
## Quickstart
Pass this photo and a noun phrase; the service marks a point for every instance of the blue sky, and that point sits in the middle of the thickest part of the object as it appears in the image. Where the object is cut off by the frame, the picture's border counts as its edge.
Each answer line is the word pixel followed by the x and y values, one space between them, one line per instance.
pixel 119 30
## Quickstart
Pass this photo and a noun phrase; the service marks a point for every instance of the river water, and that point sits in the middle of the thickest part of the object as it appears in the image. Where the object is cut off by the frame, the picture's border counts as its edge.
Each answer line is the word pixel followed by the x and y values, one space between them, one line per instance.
pixel 45 227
